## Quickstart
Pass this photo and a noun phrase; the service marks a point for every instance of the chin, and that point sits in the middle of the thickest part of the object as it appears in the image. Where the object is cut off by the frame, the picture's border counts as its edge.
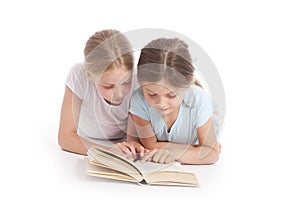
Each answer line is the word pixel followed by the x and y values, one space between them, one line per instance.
pixel 117 102
pixel 164 112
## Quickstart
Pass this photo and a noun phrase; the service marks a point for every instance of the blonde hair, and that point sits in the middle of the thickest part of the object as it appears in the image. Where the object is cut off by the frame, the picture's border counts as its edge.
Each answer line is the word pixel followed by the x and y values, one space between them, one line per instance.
pixel 107 50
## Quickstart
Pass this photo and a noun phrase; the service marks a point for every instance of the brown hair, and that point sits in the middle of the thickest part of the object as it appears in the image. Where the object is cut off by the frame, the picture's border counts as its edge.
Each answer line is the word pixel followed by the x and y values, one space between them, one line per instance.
pixel 106 50
pixel 167 59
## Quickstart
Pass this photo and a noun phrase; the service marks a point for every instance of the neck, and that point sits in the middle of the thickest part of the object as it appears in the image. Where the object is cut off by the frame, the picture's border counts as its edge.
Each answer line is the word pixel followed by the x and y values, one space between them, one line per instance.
pixel 171 118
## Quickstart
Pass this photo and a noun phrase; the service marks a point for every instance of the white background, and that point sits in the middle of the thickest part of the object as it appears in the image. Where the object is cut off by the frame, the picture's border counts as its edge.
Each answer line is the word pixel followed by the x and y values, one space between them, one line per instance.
pixel 255 46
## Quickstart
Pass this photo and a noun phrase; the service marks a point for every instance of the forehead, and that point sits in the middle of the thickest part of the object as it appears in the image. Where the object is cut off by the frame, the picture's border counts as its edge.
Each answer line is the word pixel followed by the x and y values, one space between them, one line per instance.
pixel 115 75
pixel 159 87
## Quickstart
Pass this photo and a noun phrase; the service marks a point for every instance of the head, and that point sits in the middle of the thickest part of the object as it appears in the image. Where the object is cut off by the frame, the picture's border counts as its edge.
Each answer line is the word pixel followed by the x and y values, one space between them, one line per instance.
pixel 109 62
pixel 165 70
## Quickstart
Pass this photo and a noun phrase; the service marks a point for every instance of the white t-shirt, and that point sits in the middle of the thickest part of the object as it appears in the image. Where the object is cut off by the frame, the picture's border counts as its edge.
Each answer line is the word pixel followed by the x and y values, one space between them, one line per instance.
pixel 98 121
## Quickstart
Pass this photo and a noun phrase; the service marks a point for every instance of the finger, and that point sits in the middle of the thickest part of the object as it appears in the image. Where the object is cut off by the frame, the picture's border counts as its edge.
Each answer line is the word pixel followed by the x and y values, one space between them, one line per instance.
pixel 148 156
pixel 157 155
pixel 132 149
pixel 141 150
pixel 147 151
pixel 116 149
pixel 149 160
pixel 169 159
pixel 125 149
pixel 163 157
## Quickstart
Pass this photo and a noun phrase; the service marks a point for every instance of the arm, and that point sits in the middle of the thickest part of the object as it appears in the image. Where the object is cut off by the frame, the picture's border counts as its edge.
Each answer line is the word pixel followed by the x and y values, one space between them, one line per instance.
pixel 68 139
pixel 206 152
pixel 133 139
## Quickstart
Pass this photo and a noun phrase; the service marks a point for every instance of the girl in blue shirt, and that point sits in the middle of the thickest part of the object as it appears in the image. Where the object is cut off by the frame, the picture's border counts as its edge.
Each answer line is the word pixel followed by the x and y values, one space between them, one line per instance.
pixel 170 113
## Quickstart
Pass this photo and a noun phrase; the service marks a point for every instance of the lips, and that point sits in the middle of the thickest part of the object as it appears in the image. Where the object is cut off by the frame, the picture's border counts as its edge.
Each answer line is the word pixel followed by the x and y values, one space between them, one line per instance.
pixel 117 100
pixel 163 109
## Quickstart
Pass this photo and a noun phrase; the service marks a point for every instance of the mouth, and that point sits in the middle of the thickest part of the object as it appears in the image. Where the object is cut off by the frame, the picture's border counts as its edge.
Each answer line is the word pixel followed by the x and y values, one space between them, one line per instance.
pixel 117 100
pixel 163 109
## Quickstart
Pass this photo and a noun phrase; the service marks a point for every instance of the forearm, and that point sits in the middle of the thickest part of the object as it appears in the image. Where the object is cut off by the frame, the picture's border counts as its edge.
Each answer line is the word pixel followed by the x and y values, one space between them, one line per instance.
pixel 199 155
pixel 73 143
pixel 132 139
pixel 191 154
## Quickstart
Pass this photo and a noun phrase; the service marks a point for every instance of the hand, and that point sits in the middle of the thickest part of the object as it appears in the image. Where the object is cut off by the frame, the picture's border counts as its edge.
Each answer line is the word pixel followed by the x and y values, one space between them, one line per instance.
pixel 128 150
pixel 159 156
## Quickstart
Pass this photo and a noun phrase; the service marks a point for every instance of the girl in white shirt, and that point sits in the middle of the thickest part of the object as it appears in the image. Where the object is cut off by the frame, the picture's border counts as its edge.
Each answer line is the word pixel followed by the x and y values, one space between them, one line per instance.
pixel 96 101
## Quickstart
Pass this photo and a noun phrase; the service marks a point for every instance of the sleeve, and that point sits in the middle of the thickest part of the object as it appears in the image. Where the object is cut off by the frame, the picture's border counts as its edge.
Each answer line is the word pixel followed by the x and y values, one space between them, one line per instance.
pixel 77 81
pixel 139 106
pixel 204 108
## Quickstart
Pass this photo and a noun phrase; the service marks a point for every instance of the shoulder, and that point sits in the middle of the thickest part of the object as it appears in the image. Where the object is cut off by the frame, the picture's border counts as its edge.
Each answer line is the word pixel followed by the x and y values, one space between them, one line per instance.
pixel 200 103
pixel 77 80
pixel 195 95
pixel 78 69
pixel 139 106
pixel 137 96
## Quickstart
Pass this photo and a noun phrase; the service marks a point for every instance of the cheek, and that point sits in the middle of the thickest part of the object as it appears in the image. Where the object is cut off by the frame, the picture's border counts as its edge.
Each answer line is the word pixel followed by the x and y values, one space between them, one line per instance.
pixel 175 102
pixel 106 93
pixel 150 101
pixel 126 88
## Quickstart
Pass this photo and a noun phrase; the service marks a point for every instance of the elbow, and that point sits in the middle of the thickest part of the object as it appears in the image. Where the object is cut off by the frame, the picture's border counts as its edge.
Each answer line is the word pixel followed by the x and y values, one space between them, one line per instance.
pixel 215 154
pixel 209 157
pixel 214 158
pixel 61 140
pixel 71 143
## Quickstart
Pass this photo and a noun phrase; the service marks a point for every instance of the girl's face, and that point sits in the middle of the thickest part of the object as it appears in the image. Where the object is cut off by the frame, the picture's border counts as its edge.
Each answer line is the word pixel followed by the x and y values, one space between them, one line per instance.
pixel 114 85
pixel 164 98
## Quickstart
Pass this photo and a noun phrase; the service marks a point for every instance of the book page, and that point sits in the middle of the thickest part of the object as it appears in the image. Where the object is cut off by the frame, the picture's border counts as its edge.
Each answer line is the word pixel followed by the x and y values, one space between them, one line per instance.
pixel 101 171
pixel 110 161
pixel 172 175
pixel 150 167
pixel 172 178
pixel 142 167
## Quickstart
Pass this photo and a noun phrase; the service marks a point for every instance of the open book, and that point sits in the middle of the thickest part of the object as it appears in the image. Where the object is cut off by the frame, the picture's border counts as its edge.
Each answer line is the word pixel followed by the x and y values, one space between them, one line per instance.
pixel 103 163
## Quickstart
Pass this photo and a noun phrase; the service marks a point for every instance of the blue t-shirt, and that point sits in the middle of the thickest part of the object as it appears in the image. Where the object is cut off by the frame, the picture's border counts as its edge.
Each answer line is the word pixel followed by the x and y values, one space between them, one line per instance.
pixel 195 110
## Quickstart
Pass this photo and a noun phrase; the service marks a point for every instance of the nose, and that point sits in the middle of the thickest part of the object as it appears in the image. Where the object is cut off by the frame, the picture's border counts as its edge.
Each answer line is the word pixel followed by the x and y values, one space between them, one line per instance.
pixel 161 101
pixel 118 93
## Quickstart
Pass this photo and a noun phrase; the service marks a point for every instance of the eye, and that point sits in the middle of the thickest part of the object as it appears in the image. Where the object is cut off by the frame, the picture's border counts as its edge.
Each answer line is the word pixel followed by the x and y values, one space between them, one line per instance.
pixel 171 96
pixel 151 95
pixel 108 86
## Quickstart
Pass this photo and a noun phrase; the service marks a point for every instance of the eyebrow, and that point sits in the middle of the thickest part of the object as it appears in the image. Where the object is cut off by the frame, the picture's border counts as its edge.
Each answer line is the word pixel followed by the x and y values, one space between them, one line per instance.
pixel 174 92
pixel 149 90
pixel 112 84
